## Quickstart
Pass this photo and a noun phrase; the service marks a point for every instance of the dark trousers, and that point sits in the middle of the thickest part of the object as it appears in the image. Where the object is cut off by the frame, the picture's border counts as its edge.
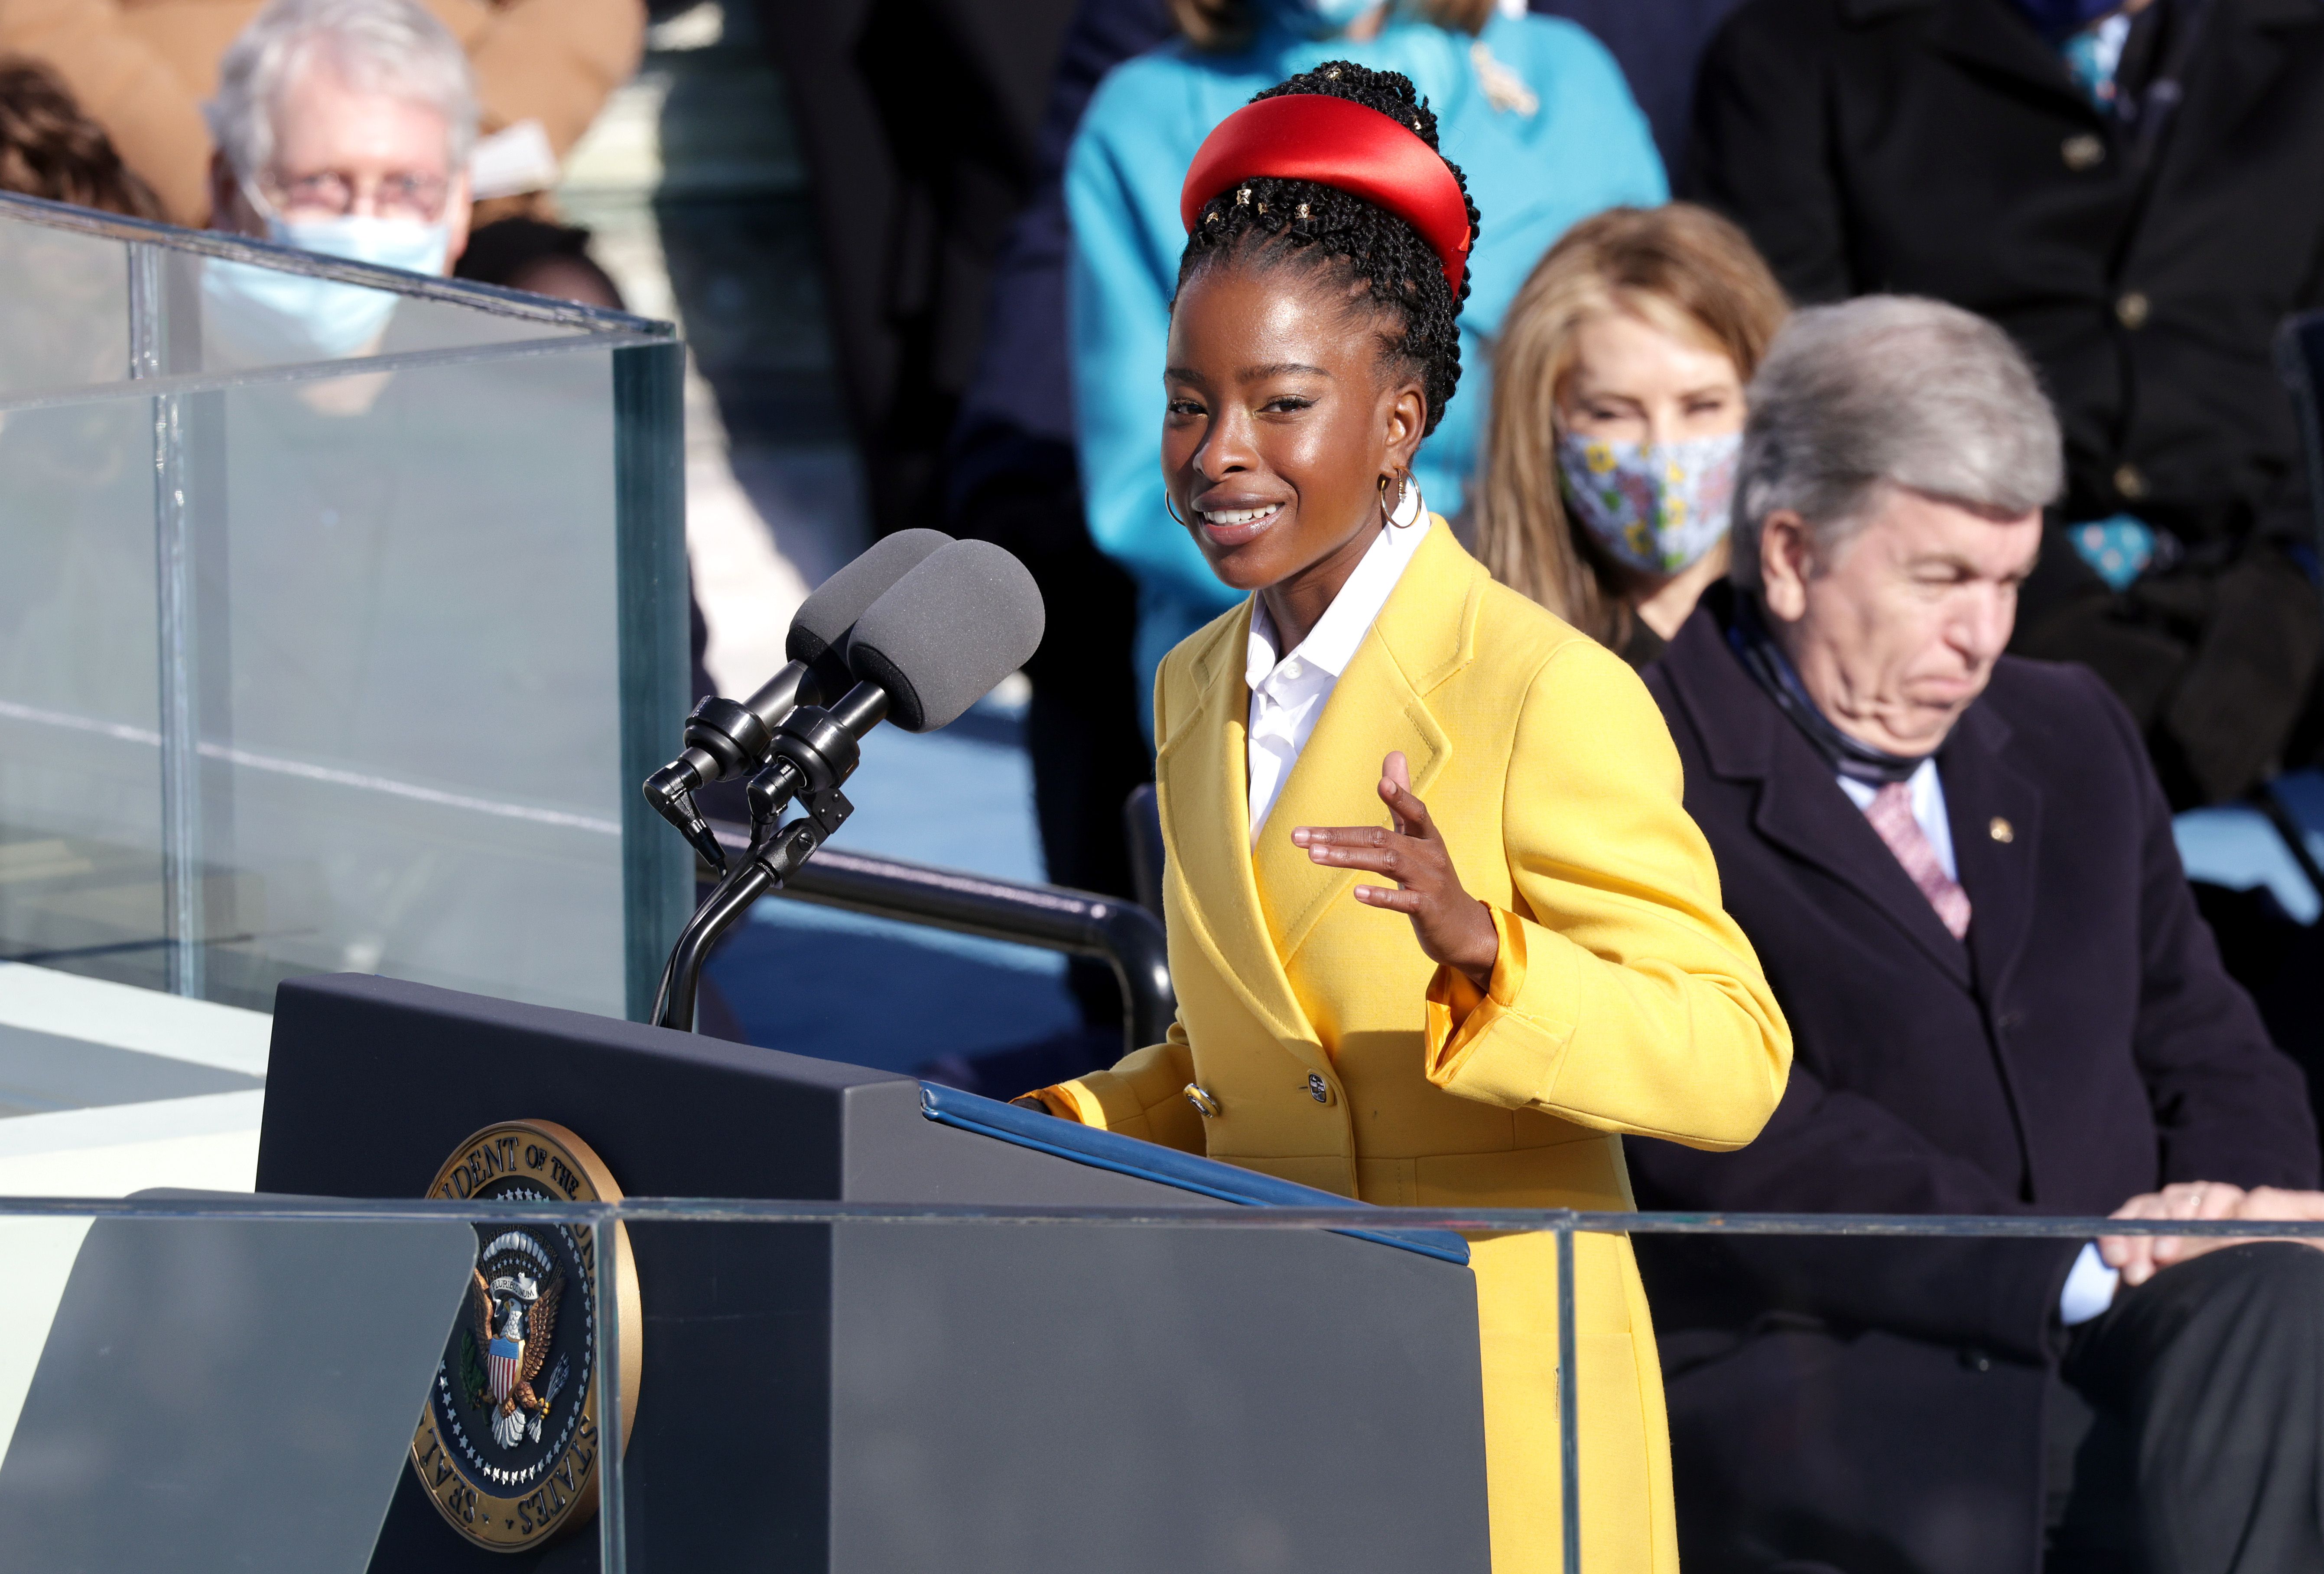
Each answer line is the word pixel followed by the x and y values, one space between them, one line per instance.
pixel 2188 1435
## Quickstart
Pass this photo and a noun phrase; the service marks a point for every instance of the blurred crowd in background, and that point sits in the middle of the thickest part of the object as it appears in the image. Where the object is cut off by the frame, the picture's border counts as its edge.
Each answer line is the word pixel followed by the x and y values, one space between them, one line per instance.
pixel 2130 191
pixel 925 250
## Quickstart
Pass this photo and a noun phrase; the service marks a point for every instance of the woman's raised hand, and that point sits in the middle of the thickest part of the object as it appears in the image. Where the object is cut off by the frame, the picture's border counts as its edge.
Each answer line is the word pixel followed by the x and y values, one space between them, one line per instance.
pixel 1455 928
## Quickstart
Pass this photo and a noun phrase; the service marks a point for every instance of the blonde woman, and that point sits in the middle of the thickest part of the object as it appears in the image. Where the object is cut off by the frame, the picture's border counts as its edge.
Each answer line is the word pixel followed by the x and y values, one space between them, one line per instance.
pixel 1616 413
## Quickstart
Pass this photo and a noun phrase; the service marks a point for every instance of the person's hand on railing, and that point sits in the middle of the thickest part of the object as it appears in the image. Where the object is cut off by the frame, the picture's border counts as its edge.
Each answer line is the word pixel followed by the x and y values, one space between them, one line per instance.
pixel 2259 1204
pixel 2142 1256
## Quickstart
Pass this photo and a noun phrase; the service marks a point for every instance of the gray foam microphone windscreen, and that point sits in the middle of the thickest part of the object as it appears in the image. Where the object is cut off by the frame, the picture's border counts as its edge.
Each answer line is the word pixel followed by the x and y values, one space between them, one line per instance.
pixel 950 630
pixel 824 617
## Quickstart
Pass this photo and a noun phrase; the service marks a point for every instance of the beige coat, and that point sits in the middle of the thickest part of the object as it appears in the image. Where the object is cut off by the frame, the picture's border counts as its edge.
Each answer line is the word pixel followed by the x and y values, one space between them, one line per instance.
pixel 142 69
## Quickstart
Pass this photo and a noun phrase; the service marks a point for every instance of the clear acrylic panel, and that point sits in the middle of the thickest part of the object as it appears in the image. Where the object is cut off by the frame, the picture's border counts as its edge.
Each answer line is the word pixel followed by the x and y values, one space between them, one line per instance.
pixel 198 1381
pixel 254 315
pixel 80 781
pixel 339 654
pixel 871 1385
pixel 64 306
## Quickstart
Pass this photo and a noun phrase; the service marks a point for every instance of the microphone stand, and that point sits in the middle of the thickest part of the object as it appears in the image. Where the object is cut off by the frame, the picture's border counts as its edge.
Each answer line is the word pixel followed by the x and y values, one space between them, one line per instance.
pixel 816 752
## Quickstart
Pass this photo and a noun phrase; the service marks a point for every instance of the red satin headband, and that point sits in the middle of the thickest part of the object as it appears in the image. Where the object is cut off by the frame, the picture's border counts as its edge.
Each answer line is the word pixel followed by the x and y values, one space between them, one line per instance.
pixel 1312 136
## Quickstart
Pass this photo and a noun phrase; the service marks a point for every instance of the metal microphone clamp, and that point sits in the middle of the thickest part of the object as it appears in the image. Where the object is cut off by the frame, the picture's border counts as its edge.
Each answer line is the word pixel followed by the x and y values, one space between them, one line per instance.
pixel 723 739
pixel 815 751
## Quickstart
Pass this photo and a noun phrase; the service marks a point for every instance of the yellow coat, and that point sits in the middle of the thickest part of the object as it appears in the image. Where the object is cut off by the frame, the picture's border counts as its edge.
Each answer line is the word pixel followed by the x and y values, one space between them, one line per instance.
pixel 1624 999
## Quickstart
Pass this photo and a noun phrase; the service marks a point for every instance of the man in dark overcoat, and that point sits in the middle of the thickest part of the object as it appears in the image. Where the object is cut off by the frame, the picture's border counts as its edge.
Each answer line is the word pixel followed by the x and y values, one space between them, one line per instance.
pixel 2135 193
pixel 1958 871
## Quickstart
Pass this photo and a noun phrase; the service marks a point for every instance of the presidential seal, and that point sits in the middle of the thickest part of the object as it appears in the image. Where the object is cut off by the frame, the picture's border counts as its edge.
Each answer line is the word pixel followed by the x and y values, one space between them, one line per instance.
pixel 507 1448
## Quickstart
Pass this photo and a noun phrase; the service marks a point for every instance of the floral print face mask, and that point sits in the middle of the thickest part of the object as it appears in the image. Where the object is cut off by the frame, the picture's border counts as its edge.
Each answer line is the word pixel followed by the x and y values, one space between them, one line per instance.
pixel 1656 507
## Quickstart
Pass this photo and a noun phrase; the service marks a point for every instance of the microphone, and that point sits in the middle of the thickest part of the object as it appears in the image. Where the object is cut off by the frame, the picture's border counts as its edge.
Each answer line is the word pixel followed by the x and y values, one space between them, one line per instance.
pixel 943 636
pixel 724 740
pixel 939 640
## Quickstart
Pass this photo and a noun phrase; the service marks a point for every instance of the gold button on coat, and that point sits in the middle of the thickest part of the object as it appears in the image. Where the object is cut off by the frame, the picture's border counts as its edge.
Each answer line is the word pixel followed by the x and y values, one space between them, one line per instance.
pixel 2129 482
pixel 1204 1105
pixel 2083 150
pixel 2001 830
pixel 2131 310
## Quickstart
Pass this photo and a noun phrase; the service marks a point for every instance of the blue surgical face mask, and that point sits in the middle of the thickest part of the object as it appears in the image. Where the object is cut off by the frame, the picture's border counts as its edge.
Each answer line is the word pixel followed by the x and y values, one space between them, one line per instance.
pixel 278 317
pixel 1318 18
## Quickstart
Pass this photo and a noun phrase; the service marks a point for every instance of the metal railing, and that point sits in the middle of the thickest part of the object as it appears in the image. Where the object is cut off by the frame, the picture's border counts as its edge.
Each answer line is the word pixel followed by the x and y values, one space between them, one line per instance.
pixel 1124 935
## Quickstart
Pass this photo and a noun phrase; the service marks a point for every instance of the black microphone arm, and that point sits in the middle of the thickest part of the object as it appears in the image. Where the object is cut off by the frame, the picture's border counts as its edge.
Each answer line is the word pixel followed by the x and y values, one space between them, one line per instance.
pixel 816 751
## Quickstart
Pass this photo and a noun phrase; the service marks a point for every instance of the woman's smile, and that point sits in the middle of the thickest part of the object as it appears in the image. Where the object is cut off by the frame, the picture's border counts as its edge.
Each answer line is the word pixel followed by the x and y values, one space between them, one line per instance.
pixel 1231 526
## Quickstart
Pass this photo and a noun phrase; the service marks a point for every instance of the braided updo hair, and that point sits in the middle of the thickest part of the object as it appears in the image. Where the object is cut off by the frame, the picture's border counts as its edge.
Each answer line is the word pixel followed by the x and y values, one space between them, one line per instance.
pixel 1268 222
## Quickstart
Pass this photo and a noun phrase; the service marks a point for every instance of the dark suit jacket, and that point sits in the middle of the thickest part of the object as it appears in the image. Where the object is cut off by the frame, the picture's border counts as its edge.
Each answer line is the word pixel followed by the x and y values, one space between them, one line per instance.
pixel 1879 1405
pixel 1937 147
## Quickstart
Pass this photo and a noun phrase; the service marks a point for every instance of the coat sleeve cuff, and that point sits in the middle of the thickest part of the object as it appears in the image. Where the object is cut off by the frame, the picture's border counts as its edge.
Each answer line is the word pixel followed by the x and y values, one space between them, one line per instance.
pixel 1143 1096
pixel 1101 1098
pixel 1485 1046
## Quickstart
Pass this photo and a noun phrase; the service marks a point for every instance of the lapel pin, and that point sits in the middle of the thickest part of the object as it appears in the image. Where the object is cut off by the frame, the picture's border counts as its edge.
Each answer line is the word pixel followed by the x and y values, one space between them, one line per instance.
pixel 2002 830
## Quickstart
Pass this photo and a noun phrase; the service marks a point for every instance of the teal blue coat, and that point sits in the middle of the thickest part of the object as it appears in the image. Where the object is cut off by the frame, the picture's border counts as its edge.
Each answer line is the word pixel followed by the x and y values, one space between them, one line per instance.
pixel 1582 146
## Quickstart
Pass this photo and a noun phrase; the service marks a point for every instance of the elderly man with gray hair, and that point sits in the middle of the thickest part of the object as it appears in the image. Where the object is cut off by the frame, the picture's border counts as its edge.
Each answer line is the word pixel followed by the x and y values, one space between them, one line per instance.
pixel 1958 871
pixel 344 127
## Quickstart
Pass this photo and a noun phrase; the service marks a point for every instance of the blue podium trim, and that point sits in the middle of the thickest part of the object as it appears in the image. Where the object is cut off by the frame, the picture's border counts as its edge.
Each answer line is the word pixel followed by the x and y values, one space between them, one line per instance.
pixel 1147 1160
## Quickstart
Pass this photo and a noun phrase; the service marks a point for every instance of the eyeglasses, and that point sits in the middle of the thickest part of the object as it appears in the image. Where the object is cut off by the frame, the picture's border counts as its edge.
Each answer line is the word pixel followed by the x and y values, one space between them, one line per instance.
pixel 334 195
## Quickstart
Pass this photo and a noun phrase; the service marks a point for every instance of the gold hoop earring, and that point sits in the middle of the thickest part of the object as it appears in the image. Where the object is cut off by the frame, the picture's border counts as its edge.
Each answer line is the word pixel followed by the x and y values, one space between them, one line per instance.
pixel 1171 509
pixel 1403 486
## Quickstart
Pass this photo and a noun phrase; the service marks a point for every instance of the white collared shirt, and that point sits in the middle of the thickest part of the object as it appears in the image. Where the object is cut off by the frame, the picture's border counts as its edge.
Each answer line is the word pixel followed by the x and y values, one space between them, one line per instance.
pixel 1287 693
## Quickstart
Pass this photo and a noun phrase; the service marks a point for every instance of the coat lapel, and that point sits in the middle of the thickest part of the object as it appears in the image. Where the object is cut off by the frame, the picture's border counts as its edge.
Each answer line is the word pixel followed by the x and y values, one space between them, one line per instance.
pixel 1800 806
pixel 1377 707
pixel 1985 37
pixel 1203 784
pixel 1997 823
pixel 2234 67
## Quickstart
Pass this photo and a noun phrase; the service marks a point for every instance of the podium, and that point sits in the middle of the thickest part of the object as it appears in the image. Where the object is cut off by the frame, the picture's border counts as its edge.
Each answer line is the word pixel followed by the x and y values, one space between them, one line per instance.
pixel 965 1396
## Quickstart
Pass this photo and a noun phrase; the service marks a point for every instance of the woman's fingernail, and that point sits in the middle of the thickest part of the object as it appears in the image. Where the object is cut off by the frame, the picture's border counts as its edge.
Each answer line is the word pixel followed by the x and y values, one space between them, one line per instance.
pixel 1299 837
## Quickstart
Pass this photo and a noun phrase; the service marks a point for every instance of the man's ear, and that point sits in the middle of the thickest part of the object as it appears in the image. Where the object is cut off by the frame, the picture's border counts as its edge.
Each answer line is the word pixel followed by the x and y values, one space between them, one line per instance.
pixel 1787 564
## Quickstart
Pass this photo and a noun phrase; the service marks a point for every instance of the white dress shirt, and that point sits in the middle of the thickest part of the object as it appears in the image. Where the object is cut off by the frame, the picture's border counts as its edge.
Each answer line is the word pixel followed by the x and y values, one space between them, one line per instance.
pixel 1287 693
pixel 2090 1284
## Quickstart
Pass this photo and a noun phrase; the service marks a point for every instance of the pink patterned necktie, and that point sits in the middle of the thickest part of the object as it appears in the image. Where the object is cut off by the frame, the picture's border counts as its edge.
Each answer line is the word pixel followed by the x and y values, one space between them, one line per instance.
pixel 1891 814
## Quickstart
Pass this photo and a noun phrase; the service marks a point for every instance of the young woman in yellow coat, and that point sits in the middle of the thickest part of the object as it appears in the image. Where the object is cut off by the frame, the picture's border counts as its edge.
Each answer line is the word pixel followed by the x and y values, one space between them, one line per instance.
pixel 1575 977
